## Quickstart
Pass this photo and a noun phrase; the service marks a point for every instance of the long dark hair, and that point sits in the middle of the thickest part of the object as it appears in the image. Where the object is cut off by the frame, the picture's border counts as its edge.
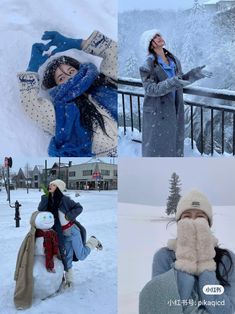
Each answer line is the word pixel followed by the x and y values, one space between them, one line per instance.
pixel 89 116
pixel 166 52
pixel 54 202
pixel 223 275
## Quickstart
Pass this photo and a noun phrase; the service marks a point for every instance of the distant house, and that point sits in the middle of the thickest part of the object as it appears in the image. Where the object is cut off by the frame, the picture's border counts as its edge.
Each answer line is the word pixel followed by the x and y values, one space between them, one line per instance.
pixel 58 170
pixel 33 180
pixel 35 176
pixel 218 5
pixel 20 179
pixel 92 175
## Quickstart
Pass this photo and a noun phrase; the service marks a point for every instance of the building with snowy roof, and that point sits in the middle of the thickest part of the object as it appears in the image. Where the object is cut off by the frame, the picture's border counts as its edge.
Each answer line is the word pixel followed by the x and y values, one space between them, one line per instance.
pixel 219 5
pixel 30 178
pixel 92 175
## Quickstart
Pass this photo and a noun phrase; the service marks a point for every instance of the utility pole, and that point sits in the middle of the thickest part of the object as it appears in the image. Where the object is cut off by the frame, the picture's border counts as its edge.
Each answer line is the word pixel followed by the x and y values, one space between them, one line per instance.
pixel 59 169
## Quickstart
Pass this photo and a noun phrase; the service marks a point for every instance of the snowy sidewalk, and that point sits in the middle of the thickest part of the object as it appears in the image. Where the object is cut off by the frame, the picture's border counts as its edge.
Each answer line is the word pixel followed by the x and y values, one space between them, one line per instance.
pixel 95 287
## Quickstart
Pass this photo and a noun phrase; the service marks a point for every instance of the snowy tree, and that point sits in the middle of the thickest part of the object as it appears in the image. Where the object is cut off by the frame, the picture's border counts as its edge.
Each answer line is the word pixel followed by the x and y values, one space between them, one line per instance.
pixel 195 24
pixel 174 196
pixel 132 67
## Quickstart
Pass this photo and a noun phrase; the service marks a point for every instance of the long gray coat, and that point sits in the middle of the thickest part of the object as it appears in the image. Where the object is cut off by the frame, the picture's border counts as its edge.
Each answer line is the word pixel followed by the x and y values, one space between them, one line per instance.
pixel 163 120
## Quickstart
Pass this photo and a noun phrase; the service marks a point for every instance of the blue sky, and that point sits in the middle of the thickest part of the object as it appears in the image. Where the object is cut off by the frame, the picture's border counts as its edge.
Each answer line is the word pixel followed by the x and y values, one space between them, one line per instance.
pixel 125 5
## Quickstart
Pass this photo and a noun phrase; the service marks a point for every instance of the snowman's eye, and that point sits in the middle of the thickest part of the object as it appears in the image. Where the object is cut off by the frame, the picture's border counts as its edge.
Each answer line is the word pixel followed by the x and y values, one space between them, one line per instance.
pixel 44 217
pixel 50 216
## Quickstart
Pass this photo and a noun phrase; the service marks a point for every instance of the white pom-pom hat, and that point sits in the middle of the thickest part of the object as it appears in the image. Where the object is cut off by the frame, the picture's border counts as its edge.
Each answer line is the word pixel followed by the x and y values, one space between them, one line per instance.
pixel 60 184
pixel 147 36
pixel 194 200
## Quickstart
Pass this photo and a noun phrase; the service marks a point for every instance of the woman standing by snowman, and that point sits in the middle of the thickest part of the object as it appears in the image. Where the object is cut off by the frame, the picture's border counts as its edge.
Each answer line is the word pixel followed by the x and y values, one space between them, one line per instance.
pixel 190 262
pixel 71 234
pixel 163 110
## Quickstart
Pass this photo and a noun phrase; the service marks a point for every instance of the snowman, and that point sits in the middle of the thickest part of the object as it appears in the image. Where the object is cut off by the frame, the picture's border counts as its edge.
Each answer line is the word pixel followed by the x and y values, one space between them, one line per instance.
pixel 48 270
pixel 39 272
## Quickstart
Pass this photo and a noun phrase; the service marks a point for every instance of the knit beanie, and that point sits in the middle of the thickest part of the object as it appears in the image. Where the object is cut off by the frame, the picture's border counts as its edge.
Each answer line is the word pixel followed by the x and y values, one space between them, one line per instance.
pixel 146 38
pixel 194 200
pixel 60 184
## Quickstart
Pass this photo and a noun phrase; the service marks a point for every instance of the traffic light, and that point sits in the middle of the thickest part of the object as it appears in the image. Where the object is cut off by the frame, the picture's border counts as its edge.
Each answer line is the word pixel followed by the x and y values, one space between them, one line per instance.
pixel 8 162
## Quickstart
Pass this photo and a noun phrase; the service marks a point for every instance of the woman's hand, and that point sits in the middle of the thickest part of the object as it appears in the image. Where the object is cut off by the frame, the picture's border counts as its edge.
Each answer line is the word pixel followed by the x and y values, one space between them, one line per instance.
pixel 37 57
pixel 206 243
pixel 61 42
pixel 186 253
pixel 196 74
pixel 195 248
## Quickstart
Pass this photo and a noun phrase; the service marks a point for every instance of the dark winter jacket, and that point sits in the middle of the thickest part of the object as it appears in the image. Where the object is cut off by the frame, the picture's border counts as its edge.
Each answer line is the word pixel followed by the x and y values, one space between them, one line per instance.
pixel 163 111
pixel 71 210
pixel 67 207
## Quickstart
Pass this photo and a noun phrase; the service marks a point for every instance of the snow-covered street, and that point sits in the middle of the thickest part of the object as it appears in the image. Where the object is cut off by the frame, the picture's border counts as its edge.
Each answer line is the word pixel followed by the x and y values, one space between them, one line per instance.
pixel 95 287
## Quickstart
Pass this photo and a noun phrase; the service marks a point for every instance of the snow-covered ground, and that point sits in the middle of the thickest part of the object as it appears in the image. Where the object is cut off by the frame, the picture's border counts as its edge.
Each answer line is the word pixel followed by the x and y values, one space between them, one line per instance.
pixel 129 145
pixel 142 231
pixel 22 23
pixel 95 279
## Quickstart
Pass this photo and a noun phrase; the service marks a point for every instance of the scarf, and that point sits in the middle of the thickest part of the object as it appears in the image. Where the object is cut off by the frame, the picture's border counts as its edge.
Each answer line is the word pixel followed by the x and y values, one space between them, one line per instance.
pixel 50 245
pixel 71 139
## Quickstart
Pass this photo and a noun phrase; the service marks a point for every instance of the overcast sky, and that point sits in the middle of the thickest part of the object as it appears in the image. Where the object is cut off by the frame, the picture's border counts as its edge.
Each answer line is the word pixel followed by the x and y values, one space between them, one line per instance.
pixel 126 5
pixel 146 180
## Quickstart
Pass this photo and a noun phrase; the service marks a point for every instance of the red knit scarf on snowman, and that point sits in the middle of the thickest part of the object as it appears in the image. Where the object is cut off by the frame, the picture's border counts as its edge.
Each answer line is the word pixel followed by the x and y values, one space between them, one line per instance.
pixel 50 245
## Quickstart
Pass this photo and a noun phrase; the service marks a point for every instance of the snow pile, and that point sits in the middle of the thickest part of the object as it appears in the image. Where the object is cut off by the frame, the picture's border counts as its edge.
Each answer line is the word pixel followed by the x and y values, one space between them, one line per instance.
pixel 148 224
pixel 22 24
pixel 95 280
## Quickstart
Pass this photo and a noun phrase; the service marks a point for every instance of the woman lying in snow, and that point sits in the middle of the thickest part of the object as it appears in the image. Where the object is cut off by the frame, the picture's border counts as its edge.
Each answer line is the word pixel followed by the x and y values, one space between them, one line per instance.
pixel 82 113
pixel 189 263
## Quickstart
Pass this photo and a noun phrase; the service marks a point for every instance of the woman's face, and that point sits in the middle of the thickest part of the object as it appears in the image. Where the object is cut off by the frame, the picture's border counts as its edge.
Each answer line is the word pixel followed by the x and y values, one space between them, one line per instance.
pixel 194 214
pixel 158 41
pixel 63 73
pixel 52 188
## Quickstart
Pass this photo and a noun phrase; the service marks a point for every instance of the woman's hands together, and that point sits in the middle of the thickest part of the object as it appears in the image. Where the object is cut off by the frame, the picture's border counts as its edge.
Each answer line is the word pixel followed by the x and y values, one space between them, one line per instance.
pixel 39 52
pixel 195 246
pixel 38 57
pixel 61 42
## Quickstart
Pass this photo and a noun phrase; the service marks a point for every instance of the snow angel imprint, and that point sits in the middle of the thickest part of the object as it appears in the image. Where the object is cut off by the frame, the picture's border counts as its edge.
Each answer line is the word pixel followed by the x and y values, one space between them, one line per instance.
pixel 182 270
pixel 82 113
pixel 163 110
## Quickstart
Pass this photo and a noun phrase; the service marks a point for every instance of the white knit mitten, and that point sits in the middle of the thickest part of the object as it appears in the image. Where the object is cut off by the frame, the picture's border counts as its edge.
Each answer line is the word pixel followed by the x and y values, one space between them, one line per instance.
pixel 186 254
pixel 93 243
pixel 206 243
